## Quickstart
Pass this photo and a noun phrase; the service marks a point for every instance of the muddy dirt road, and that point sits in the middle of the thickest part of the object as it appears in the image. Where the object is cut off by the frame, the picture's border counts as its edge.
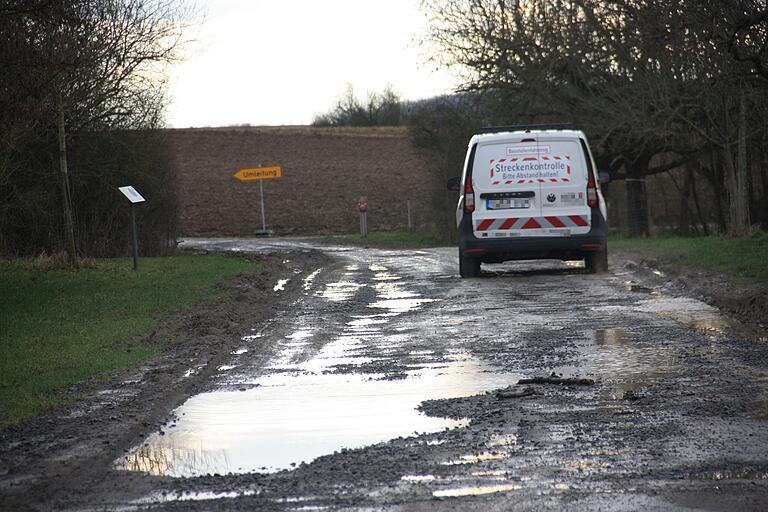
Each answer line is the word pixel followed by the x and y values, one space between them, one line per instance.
pixel 382 381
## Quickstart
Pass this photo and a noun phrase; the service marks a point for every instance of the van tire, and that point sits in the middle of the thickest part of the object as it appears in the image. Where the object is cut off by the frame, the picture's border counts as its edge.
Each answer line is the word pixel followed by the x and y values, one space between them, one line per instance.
pixel 597 263
pixel 468 266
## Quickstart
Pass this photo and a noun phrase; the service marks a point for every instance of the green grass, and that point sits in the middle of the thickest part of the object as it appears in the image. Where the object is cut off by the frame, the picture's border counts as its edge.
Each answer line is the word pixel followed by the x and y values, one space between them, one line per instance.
pixel 746 257
pixel 59 327
pixel 394 239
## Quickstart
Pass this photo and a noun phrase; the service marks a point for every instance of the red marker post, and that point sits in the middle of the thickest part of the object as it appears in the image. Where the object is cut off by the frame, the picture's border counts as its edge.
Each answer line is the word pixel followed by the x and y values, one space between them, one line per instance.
pixel 362 209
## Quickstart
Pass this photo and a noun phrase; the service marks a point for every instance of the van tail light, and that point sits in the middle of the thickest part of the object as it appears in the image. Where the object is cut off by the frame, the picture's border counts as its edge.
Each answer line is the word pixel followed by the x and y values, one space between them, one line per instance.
pixel 469 196
pixel 592 191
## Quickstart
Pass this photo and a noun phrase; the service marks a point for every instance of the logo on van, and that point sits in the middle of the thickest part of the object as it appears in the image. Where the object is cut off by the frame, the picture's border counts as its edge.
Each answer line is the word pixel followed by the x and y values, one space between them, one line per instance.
pixel 551 198
pixel 531 169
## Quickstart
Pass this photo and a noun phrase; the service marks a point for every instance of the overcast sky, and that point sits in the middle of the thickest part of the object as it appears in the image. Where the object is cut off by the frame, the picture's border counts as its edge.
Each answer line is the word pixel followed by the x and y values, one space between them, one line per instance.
pixel 275 62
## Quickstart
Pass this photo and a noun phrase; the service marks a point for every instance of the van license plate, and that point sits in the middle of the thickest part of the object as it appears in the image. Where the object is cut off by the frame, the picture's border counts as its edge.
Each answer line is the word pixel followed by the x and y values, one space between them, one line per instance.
pixel 505 204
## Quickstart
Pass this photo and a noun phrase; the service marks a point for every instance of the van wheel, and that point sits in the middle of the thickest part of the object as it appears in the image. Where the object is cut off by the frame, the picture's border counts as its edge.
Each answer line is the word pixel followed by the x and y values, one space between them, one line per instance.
pixel 597 263
pixel 468 266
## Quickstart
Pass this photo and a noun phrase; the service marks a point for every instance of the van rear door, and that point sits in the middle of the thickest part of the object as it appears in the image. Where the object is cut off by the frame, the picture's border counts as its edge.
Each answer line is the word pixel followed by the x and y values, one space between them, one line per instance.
pixel 530 186
pixel 564 206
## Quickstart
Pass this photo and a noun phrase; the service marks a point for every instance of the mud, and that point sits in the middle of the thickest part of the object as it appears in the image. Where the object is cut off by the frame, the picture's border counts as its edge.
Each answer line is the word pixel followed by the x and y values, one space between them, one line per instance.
pixel 375 379
pixel 738 298
pixel 48 459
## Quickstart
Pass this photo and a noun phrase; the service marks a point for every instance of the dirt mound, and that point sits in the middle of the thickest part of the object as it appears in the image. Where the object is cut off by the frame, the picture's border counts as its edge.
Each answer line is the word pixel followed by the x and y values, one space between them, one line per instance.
pixel 737 297
pixel 750 307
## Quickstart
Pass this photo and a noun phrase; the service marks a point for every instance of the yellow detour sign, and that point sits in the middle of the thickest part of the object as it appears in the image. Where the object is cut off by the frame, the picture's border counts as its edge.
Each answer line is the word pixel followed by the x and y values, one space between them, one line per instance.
pixel 273 172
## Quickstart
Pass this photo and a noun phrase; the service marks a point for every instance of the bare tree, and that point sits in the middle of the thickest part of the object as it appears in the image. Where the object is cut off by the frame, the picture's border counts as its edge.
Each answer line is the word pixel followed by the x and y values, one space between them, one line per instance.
pixel 648 81
pixel 378 109
pixel 89 65
pixel 747 33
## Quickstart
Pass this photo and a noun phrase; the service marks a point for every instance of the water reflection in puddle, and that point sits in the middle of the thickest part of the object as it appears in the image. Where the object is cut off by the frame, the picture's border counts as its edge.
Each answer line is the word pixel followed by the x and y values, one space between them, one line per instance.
pixel 492 473
pixel 396 299
pixel 364 321
pixel 400 305
pixel 288 419
pixel 386 276
pixel 585 464
pixel 417 478
pixel 310 278
pixel 506 440
pixel 192 371
pixel 475 458
pixel 743 474
pixel 164 497
pixel 393 291
pixel 624 365
pixel 292 348
pixel 476 491
pixel 341 291
pixel 690 312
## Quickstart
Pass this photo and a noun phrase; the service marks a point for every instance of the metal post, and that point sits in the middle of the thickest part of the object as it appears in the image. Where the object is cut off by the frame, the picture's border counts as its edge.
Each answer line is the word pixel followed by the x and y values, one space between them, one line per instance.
pixel 408 207
pixel 135 238
pixel 363 224
pixel 263 217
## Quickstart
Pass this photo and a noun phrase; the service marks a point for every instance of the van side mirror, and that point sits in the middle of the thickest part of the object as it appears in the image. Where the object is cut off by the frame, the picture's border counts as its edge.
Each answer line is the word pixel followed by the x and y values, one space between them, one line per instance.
pixel 453 183
pixel 605 176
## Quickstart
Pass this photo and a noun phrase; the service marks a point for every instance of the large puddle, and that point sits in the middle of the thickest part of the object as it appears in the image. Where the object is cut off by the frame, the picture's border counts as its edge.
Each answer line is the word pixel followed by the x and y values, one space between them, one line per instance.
pixel 289 419
pixel 687 311
pixel 303 409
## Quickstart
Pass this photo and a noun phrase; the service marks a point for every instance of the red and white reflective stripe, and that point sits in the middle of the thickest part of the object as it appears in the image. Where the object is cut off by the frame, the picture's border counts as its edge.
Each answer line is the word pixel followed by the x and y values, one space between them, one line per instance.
pixel 563 221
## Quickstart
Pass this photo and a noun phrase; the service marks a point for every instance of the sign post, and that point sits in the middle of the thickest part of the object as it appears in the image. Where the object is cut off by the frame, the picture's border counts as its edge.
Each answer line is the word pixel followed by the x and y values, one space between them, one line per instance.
pixel 261 201
pixel 135 198
pixel 274 172
pixel 408 208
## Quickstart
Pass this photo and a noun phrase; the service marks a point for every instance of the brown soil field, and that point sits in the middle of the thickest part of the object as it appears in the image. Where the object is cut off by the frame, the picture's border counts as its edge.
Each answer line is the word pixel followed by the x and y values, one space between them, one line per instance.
pixel 325 171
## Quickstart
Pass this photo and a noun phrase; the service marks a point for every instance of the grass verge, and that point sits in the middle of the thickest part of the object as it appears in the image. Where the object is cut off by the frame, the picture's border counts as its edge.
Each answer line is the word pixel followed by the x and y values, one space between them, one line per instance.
pixel 744 257
pixel 393 239
pixel 59 327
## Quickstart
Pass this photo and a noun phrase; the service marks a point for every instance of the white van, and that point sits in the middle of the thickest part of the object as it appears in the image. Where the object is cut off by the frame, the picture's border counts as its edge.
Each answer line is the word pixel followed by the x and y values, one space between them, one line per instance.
pixel 529 193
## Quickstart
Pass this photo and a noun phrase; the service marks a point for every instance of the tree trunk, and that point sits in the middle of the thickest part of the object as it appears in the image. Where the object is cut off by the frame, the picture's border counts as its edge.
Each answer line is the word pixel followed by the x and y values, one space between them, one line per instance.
pixel 695 167
pixel 684 226
pixel 763 204
pixel 742 174
pixel 637 199
pixel 69 229
pixel 718 185
pixel 737 178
